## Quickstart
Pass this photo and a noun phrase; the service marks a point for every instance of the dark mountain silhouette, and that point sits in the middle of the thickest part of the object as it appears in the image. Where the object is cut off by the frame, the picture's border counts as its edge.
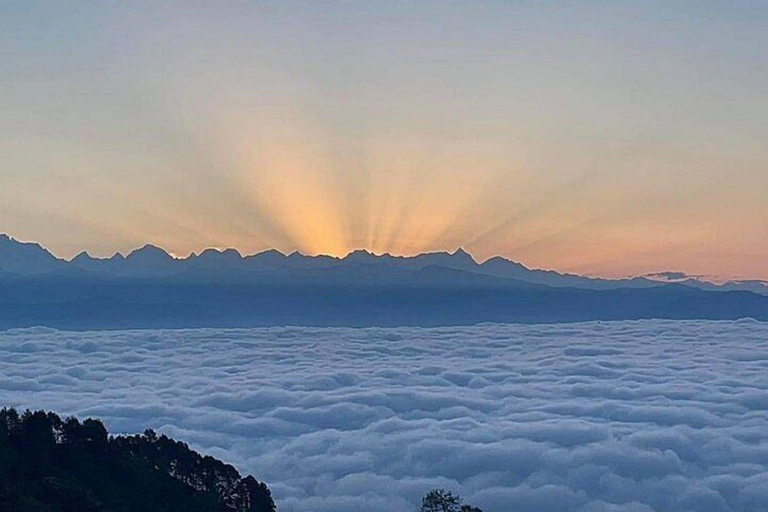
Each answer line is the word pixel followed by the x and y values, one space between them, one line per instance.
pixel 498 266
pixel 214 259
pixel 266 260
pixel 86 262
pixel 50 464
pixel 150 288
pixel 26 258
pixel 149 261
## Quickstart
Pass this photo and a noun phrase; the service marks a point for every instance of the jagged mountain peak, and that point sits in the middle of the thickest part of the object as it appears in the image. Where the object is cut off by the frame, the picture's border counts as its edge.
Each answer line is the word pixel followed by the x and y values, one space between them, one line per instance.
pixel 26 258
pixel 149 251
pixel 8 240
pixel 296 255
pixel 501 261
pixel 269 259
pixel 84 261
pixel 461 254
pixel 214 253
pixel 360 254
pixel 81 257
pixel 268 252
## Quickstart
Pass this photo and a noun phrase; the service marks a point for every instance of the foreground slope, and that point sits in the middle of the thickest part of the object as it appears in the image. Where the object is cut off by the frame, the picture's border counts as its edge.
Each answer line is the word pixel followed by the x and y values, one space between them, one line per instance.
pixel 52 465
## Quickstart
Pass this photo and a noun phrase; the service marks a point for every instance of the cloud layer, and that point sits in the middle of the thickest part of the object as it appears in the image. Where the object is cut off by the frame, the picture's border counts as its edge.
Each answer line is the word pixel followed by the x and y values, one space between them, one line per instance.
pixel 595 417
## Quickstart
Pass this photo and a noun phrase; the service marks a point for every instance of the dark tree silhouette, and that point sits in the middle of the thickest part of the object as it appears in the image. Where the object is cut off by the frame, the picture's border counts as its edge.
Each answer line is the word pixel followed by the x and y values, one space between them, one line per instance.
pixel 440 500
pixel 52 465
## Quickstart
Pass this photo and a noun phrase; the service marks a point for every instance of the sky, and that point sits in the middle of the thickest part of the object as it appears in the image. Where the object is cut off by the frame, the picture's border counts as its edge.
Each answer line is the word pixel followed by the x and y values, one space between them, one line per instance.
pixel 603 138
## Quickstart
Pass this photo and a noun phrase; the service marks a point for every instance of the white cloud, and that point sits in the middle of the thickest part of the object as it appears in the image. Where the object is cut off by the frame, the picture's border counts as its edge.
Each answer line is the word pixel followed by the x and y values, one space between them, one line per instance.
pixel 596 417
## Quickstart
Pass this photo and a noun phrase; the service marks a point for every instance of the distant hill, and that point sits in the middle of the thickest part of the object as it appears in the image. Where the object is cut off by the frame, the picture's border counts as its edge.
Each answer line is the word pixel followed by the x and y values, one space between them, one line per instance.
pixel 149 288
pixel 50 464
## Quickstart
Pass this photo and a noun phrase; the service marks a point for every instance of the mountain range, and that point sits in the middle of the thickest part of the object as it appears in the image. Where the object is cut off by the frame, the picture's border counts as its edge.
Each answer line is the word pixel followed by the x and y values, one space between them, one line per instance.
pixel 151 288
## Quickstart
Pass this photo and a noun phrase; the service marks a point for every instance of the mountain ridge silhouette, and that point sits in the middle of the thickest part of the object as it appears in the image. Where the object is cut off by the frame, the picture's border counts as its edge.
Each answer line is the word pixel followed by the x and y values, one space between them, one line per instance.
pixel 152 260
pixel 149 288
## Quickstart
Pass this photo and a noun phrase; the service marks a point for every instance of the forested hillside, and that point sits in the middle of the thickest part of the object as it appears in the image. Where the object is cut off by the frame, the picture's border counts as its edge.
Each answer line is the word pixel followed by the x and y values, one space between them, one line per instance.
pixel 50 464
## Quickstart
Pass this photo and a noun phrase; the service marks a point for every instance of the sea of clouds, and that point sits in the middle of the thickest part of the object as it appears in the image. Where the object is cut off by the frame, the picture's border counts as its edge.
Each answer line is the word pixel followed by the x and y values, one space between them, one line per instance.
pixel 625 416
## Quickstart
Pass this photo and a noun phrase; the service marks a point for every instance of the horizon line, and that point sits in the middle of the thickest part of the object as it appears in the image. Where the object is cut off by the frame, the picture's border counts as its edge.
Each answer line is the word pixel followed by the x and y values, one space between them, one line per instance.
pixel 221 250
pixel 457 251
